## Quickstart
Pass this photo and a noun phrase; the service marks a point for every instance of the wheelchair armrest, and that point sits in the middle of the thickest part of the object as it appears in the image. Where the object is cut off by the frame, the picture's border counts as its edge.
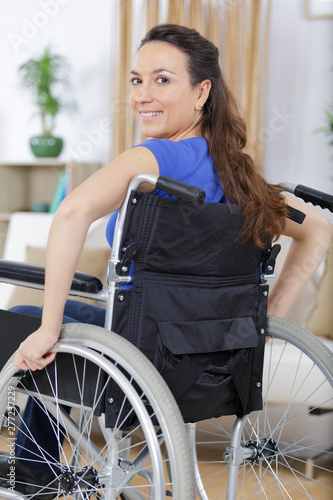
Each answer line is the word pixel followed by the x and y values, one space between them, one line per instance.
pixel 35 274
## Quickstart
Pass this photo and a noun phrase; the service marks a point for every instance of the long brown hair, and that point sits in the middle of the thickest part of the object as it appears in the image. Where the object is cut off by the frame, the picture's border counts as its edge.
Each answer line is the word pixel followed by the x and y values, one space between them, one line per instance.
pixel 224 129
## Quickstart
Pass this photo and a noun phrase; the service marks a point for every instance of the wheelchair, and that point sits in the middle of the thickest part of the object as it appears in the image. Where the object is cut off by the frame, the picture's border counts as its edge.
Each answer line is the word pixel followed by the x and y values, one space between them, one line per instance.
pixel 125 428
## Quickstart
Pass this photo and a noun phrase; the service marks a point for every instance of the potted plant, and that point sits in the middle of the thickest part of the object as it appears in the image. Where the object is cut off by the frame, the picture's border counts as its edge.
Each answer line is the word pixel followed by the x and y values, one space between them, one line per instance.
pixel 47 79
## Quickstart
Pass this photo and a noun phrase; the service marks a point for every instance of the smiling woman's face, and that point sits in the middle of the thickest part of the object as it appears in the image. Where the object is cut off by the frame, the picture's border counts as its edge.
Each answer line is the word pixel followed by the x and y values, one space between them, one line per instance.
pixel 165 103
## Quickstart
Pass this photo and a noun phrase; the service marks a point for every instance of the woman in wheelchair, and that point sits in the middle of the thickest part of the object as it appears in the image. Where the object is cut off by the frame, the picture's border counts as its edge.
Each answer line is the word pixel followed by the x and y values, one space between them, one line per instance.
pixel 197 136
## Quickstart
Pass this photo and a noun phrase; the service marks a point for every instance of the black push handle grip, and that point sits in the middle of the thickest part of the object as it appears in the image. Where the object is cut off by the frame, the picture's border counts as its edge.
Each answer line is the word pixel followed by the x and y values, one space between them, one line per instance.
pixel 324 200
pixel 181 190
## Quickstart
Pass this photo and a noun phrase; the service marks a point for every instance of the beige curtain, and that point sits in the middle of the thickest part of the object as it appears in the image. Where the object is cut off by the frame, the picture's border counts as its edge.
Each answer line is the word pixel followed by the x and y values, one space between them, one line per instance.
pixel 122 118
pixel 152 13
pixel 238 27
pixel 202 15
pixel 245 29
pixel 123 121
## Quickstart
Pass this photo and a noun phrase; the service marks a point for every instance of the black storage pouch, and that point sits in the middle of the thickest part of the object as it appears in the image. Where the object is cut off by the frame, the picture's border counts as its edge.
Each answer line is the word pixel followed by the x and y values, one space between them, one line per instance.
pixel 205 361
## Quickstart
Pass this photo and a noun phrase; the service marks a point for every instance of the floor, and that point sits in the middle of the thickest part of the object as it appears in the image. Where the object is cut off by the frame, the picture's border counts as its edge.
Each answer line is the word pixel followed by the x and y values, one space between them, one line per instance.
pixel 315 491
pixel 213 470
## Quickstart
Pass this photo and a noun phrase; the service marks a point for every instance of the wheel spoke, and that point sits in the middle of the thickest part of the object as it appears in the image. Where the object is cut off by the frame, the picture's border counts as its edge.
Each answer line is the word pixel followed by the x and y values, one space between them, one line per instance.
pixel 296 418
pixel 89 462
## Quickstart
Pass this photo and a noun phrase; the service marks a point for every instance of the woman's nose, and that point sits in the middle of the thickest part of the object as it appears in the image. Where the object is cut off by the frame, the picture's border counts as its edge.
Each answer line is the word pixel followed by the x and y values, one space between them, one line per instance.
pixel 143 94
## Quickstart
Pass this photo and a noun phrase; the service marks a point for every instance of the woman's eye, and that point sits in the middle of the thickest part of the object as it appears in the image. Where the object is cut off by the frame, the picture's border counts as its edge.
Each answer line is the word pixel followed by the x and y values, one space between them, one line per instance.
pixel 162 79
pixel 135 81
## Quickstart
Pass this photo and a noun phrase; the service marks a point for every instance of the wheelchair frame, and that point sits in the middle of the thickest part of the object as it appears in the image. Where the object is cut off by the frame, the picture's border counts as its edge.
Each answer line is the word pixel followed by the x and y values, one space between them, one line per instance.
pixel 249 451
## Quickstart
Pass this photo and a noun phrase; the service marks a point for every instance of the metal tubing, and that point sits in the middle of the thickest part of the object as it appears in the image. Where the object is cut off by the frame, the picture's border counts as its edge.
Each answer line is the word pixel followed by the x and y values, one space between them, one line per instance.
pixel 237 457
pixel 134 184
pixel 193 444
pixel 288 186
pixel 11 495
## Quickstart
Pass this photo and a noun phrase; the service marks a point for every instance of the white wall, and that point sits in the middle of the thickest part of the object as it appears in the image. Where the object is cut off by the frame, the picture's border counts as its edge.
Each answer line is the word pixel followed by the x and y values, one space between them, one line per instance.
pixel 81 31
pixel 299 83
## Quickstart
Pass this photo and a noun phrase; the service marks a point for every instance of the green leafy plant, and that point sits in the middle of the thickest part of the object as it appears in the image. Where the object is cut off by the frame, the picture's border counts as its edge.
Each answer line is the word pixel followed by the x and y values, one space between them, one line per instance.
pixel 328 129
pixel 47 79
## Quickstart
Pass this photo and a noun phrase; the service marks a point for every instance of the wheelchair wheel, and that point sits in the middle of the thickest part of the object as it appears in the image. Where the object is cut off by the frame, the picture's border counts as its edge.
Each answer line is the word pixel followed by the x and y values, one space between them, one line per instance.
pixel 145 455
pixel 292 435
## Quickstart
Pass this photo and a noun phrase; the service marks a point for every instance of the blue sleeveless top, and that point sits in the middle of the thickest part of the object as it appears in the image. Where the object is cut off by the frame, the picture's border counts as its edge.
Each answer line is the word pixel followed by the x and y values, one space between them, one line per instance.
pixel 187 161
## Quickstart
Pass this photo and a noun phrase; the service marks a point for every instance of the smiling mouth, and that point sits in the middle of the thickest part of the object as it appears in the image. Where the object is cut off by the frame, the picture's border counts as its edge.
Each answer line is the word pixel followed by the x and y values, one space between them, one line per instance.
pixel 150 114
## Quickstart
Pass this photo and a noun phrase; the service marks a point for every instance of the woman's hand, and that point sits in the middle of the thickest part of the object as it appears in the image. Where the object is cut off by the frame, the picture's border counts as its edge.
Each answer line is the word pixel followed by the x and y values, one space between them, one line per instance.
pixel 34 353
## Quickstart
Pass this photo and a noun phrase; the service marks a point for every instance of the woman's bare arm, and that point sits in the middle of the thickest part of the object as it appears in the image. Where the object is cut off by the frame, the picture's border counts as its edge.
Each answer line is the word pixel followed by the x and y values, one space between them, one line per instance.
pixel 100 195
pixel 310 244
